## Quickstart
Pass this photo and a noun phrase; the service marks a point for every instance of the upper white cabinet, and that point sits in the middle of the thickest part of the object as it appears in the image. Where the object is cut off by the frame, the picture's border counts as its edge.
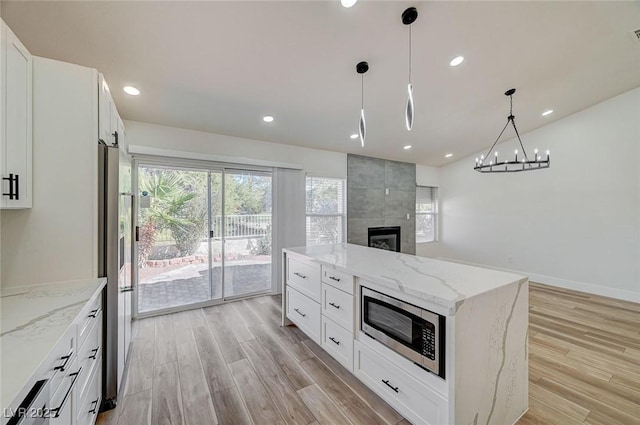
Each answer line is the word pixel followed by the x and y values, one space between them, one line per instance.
pixel 16 67
pixel 109 121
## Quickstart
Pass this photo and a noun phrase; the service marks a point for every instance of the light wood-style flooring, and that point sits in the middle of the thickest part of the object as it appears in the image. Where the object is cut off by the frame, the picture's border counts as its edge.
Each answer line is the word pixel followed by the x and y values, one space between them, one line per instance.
pixel 233 364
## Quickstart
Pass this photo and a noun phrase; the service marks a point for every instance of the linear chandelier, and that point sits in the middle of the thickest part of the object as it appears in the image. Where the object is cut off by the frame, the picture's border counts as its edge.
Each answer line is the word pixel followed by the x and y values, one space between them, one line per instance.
pixel 485 164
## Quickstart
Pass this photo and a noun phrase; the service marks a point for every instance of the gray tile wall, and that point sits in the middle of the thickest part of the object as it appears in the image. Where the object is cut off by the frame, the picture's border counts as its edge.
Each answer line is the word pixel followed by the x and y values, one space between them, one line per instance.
pixel 368 206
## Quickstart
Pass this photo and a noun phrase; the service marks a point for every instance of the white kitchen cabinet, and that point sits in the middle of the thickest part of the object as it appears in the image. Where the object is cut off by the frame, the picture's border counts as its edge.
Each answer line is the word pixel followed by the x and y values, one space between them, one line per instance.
pixel 16 70
pixel 109 119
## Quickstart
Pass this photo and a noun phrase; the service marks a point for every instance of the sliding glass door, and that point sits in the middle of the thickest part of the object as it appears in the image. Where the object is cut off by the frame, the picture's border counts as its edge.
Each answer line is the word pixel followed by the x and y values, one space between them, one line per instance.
pixel 203 235
pixel 247 232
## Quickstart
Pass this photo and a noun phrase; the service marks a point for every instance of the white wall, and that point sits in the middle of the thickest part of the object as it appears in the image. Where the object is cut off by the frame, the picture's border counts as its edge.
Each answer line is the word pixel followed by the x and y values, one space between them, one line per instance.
pixel 314 161
pixel 56 239
pixel 575 225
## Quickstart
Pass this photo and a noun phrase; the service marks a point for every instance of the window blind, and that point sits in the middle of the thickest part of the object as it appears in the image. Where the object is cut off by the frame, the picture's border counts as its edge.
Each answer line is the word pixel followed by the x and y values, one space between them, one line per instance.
pixel 326 210
pixel 426 214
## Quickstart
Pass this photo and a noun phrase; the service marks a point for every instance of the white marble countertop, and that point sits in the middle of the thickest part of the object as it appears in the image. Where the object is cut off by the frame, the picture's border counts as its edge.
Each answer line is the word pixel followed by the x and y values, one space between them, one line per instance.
pixel 33 320
pixel 441 282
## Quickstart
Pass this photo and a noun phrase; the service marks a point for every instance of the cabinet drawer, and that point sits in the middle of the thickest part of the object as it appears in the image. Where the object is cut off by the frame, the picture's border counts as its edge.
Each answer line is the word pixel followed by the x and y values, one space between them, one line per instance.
pixel 89 404
pixel 338 306
pixel 305 277
pixel 338 342
pixel 337 279
pixel 62 356
pixel 305 313
pixel 86 324
pixel 89 355
pixel 61 403
pixel 417 402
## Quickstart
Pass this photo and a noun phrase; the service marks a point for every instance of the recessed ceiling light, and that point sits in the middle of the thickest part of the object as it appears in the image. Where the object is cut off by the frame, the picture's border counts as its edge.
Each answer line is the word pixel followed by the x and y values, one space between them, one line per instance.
pixel 131 90
pixel 456 61
pixel 407 147
pixel 449 155
pixel 354 136
pixel 267 118
pixel 548 112
pixel 348 3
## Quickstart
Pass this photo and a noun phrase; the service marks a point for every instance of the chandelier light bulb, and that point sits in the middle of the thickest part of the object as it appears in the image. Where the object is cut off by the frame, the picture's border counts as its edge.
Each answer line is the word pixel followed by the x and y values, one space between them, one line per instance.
pixel 408 117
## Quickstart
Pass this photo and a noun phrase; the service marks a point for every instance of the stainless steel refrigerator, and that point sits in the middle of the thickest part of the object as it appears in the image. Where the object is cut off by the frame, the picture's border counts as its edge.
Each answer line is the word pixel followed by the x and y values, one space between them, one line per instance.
pixel 115 253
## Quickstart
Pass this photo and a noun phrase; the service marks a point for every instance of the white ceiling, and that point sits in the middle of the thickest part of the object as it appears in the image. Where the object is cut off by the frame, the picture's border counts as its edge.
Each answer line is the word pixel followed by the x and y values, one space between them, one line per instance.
pixel 220 66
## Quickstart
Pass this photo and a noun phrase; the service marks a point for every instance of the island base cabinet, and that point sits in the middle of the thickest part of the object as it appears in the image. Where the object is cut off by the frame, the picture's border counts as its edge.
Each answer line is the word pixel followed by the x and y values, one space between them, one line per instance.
pixel 417 402
pixel 338 342
pixel 305 313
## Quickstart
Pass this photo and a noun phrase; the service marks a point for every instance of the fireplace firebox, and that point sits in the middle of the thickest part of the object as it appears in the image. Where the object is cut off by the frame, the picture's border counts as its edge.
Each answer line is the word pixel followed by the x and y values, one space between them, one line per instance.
pixel 385 238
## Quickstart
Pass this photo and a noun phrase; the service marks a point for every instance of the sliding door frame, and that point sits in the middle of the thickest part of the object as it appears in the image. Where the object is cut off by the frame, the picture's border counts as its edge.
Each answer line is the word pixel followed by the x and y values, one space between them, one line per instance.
pixel 209 167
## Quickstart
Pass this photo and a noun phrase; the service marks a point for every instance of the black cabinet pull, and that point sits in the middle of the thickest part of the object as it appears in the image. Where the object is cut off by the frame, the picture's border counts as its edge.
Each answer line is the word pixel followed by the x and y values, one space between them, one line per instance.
pixel 334 305
pixel 14 186
pixel 386 382
pixel 115 135
pixel 335 341
pixel 94 353
pixel 298 311
pixel 334 278
pixel 300 275
pixel 58 409
pixel 66 359
pixel 93 313
pixel 94 406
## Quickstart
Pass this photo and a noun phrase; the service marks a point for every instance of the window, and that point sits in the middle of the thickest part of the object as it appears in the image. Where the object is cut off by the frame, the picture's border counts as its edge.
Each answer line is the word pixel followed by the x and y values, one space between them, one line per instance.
pixel 326 210
pixel 426 214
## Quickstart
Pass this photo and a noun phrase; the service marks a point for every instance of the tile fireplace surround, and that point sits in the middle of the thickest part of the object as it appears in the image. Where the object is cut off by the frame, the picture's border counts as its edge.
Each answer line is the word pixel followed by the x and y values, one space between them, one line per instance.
pixel 370 205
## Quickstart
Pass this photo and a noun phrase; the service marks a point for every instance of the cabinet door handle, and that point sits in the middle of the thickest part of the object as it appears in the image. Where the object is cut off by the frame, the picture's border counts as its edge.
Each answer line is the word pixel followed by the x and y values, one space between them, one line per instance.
pixel 94 406
pixel 298 311
pixel 115 136
pixel 300 275
pixel 386 382
pixel 335 341
pixel 66 359
pixel 66 396
pixel 14 186
pixel 94 353
pixel 334 278
pixel 126 289
pixel 334 305
pixel 93 313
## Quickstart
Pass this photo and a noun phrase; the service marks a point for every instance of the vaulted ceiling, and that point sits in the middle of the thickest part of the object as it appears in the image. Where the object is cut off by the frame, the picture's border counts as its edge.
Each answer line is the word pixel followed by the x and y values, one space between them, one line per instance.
pixel 220 66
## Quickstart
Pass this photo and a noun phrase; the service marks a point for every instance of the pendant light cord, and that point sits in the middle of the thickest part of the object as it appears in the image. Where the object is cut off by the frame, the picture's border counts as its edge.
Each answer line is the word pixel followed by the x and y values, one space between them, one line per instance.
pixel 361 91
pixel 409 54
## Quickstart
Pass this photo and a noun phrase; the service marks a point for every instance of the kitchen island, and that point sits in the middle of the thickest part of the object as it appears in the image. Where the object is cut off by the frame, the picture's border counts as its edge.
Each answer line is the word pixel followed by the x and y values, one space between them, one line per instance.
pixel 484 313
pixel 53 332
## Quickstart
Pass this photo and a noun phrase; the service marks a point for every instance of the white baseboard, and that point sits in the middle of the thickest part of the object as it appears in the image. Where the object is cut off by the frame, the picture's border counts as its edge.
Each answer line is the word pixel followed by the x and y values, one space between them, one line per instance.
pixel 605 291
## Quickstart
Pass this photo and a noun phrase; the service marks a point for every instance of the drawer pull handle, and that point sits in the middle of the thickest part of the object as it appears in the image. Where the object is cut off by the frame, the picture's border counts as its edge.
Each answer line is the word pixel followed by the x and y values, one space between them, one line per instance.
pixel 66 359
pixel 334 278
pixel 94 406
pixel 94 313
pixel 298 311
pixel 300 275
pixel 334 305
pixel 94 353
pixel 335 341
pixel 386 382
pixel 67 394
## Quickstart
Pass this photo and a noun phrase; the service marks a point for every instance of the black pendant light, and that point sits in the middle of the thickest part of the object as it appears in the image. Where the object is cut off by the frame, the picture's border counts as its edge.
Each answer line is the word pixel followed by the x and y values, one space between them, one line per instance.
pixel 485 164
pixel 409 16
pixel 362 68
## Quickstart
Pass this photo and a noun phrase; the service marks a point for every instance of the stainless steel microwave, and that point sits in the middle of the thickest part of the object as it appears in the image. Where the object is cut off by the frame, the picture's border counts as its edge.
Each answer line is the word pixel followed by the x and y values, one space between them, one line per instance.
pixel 411 331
